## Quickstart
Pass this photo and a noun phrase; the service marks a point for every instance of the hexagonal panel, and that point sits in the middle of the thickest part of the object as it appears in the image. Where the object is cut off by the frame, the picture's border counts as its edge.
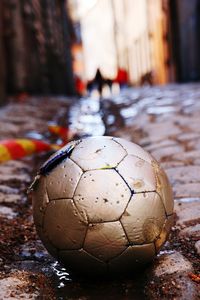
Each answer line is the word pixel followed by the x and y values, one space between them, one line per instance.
pixel 105 240
pixel 164 233
pixel 48 245
pixel 138 173
pixel 144 218
pixel 132 258
pixel 39 200
pixel 82 262
pixel 134 149
pixel 163 188
pixel 64 225
pixel 97 153
pixel 102 195
pixel 61 182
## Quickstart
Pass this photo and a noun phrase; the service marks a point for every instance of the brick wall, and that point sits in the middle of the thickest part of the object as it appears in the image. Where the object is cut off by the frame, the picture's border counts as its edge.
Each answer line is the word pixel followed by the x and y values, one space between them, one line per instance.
pixel 36 38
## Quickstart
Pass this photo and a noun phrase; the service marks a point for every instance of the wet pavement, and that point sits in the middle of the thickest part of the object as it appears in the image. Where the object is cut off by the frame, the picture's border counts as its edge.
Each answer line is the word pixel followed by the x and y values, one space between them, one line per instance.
pixel 163 120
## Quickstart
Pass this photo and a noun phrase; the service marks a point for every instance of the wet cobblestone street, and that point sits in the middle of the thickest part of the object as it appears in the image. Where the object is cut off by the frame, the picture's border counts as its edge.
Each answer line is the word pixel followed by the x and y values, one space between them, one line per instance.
pixel 163 120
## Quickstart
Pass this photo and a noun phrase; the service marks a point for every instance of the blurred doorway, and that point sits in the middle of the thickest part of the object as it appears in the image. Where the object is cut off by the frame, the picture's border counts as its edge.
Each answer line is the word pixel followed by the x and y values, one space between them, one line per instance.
pixel 185 34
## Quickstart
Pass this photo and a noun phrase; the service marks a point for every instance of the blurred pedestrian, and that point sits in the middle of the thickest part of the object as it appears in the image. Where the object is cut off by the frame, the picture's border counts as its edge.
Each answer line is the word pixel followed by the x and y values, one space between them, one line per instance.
pixel 98 83
pixel 122 78
pixel 80 86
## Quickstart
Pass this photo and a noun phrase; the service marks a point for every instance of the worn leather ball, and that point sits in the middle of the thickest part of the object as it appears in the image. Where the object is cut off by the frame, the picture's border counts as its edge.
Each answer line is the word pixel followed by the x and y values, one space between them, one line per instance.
pixel 102 204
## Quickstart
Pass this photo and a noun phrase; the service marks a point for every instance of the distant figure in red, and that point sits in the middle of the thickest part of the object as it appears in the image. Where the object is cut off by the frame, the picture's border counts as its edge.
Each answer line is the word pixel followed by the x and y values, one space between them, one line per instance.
pixel 122 78
pixel 80 86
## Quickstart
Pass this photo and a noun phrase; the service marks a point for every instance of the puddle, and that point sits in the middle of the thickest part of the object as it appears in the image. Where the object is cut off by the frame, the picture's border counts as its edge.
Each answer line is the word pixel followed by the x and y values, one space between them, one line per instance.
pixel 62 277
pixel 188 200
pixel 157 110
pixel 129 112
pixel 129 104
pixel 34 135
pixel 162 252
pixel 85 117
pixel 98 289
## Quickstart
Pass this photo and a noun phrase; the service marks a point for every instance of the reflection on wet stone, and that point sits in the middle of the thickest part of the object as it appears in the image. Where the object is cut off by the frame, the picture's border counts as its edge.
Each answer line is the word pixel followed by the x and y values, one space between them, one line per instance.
pixel 165 121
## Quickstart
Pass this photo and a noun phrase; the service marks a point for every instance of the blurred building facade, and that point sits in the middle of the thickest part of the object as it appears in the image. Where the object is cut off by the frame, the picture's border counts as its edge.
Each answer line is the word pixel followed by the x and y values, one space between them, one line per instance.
pixel 155 41
pixel 35 47
pixel 2 66
pixel 126 35
pixel 185 31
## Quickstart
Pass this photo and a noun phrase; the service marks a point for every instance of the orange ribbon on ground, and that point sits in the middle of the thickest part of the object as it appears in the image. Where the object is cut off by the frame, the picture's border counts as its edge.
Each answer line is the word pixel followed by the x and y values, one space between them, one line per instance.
pixel 63 132
pixel 18 148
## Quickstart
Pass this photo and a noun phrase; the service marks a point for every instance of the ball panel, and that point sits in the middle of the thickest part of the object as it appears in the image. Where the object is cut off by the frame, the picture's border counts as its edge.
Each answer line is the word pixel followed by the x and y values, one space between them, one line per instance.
pixel 143 218
pixel 134 149
pixel 164 233
pixel 64 225
pixel 105 240
pixel 132 258
pixel 81 261
pixel 50 248
pixel 163 188
pixel 98 153
pixel 39 200
pixel 102 195
pixel 61 182
pixel 138 174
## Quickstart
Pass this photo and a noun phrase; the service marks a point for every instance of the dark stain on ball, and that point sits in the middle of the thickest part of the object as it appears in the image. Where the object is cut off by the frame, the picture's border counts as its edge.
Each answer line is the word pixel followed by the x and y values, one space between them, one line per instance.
pixel 151 229
pixel 56 160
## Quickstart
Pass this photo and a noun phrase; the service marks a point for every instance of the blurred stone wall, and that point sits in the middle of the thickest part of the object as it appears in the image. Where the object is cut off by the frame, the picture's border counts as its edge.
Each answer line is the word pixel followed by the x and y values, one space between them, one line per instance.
pixel 37 41
pixel 2 64
pixel 185 18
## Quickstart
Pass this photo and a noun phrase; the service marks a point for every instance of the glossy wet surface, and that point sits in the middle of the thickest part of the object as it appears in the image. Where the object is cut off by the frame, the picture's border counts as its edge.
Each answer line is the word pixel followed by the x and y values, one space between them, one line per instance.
pixel 165 121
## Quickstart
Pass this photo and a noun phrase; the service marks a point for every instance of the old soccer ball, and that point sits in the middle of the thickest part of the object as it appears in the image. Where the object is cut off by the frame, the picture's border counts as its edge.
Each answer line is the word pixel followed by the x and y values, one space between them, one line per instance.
pixel 102 204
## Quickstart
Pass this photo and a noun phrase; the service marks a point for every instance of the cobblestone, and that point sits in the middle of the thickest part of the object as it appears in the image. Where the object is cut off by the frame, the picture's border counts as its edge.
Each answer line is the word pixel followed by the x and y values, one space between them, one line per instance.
pixel 191 231
pixel 170 272
pixel 166 122
pixel 174 140
pixel 14 288
pixel 172 263
pixel 197 246
pixel 187 212
pixel 190 190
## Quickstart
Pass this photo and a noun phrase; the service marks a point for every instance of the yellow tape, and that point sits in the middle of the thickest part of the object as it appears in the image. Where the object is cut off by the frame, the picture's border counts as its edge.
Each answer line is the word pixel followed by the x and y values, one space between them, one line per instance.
pixel 55 147
pixel 4 154
pixel 27 145
pixel 54 128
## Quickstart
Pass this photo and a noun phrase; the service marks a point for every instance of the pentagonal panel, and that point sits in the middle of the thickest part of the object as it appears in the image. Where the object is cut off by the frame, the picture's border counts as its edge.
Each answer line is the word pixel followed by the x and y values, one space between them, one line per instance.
pixel 132 258
pixel 105 240
pixel 163 188
pixel 134 149
pixel 138 173
pixel 144 218
pixel 39 200
pixel 97 153
pixel 64 225
pixel 61 182
pixel 164 232
pixel 82 262
pixel 48 245
pixel 102 195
